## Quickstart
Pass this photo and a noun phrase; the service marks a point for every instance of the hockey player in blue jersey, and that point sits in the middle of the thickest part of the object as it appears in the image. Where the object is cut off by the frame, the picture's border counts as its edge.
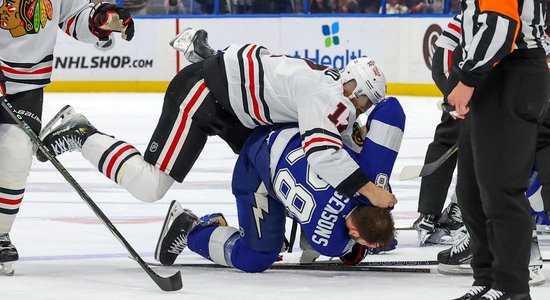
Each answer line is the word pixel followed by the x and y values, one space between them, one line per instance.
pixel 272 179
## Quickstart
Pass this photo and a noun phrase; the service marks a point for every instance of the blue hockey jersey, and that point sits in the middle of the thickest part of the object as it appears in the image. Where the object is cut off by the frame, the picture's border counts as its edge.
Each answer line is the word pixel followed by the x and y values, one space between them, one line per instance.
pixel 272 180
pixel 318 207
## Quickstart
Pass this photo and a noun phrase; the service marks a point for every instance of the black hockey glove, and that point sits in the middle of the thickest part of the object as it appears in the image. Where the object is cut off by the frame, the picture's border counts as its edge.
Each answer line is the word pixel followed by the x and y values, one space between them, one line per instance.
pixel 355 256
pixel 106 18
pixel 2 83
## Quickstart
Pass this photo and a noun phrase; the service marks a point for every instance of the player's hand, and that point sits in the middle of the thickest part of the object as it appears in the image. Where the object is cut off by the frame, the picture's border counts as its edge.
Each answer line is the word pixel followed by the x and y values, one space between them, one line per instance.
pixel 459 98
pixel 378 196
pixel 2 83
pixel 355 256
pixel 106 18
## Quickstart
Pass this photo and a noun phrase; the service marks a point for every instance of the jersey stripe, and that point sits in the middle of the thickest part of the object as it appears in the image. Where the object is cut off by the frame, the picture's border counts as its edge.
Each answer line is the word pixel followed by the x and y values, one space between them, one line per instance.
pixel 100 164
pixel 116 156
pixel 182 125
pixel 312 150
pixel 11 192
pixel 38 71
pixel 69 24
pixel 252 90
pixel 320 131
pixel 385 135
pixel 321 140
pixel 243 83
pixel 122 161
pixel 10 201
pixel 261 86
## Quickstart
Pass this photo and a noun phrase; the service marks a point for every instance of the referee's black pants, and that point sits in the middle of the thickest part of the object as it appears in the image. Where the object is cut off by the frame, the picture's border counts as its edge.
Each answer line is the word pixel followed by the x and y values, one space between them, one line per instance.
pixel 497 150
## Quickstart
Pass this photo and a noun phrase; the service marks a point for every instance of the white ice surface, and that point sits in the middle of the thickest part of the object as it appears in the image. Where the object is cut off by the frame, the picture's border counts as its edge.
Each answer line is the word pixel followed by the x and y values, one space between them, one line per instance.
pixel 67 253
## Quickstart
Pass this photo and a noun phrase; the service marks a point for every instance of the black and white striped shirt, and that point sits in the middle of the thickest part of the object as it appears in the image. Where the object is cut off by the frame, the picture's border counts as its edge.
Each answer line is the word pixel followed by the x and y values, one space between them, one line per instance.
pixel 491 29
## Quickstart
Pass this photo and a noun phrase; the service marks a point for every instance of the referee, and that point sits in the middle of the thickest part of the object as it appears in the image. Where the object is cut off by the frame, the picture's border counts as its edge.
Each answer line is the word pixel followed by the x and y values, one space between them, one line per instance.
pixel 503 95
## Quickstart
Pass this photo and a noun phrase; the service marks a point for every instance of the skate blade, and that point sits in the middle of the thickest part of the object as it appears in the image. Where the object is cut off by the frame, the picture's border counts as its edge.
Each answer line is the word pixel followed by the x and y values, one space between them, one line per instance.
pixel 454 269
pixel 57 120
pixel 174 210
pixel 7 268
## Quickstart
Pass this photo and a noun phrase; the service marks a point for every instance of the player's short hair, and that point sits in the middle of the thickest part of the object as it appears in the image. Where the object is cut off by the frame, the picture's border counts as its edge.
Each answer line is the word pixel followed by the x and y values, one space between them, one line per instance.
pixel 375 224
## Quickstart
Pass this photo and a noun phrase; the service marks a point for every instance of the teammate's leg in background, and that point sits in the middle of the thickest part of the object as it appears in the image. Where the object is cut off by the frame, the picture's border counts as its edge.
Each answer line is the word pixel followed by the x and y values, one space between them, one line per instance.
pixel 15 163
pixel 434 187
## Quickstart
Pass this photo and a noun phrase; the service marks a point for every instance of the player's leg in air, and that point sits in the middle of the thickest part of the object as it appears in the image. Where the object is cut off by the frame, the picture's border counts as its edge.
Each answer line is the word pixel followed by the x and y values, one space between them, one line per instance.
pixel 261 219
pixel 189 115
pixel 15 164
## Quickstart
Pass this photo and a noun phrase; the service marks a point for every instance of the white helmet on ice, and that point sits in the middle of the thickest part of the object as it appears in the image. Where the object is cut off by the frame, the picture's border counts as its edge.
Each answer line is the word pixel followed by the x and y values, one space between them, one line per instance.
pixel 369 77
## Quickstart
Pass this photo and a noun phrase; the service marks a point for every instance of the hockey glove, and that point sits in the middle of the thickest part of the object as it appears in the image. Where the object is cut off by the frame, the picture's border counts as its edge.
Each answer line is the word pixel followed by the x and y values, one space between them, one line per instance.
pixel 355 256
pixel 106 18
pixel 2 83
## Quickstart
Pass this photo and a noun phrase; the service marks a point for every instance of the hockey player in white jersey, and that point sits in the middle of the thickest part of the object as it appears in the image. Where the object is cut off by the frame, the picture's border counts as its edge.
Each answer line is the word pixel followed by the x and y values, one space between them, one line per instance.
pixel 229 94
pixel 272 179
pixel 28 32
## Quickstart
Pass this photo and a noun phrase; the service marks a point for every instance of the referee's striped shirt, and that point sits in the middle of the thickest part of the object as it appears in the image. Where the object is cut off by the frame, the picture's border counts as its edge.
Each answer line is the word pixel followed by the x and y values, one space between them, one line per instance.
pixel 491 29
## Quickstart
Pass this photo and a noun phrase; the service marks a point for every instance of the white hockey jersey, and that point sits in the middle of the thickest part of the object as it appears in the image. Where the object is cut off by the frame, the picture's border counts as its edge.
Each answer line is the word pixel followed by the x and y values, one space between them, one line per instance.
pixel 269 89
pixel 450 38
pixel 28 32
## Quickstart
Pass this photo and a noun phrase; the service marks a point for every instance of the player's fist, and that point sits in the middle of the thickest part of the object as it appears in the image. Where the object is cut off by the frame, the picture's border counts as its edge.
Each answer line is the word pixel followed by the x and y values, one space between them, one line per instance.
pixel 355 256
pixel 106 18
pixel 378 196
pixel 2 83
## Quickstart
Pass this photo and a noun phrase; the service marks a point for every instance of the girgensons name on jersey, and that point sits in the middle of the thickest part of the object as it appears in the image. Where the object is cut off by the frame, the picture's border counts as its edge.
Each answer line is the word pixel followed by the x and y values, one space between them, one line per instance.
pixel 329 216
pixel 336 61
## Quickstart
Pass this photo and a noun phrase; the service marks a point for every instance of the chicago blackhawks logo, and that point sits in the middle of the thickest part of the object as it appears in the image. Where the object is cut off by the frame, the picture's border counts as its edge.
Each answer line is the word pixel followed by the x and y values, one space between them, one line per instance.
pixel 23 17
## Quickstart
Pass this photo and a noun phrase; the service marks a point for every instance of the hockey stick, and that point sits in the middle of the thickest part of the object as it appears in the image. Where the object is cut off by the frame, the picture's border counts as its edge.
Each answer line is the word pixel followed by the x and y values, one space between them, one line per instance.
pixel 334 267
pixel 410 172
pixel 292 235
pixel 172 283
pixel 395 263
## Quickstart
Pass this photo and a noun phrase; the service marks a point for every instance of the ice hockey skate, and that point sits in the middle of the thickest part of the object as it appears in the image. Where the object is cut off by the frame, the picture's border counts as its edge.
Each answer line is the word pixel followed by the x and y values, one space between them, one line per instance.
pixel 429 234
pixel 193 43
pixel 62 114
pixel 179 222
pixel 536 277
pixel 456 260
pixel 8 255
pixel 451 217
pixel 68 136
pixel 475 292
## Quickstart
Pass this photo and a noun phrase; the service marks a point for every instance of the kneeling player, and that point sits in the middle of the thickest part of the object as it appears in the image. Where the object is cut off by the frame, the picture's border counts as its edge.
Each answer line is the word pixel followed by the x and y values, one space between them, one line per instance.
pixel 272 178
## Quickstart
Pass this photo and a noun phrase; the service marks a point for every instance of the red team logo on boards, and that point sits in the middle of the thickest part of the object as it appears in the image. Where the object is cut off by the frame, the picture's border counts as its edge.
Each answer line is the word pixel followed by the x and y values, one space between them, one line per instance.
pixel 428 45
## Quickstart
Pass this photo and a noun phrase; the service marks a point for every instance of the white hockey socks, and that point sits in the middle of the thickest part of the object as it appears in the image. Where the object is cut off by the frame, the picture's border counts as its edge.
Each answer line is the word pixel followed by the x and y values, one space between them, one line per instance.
pixel 123 164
